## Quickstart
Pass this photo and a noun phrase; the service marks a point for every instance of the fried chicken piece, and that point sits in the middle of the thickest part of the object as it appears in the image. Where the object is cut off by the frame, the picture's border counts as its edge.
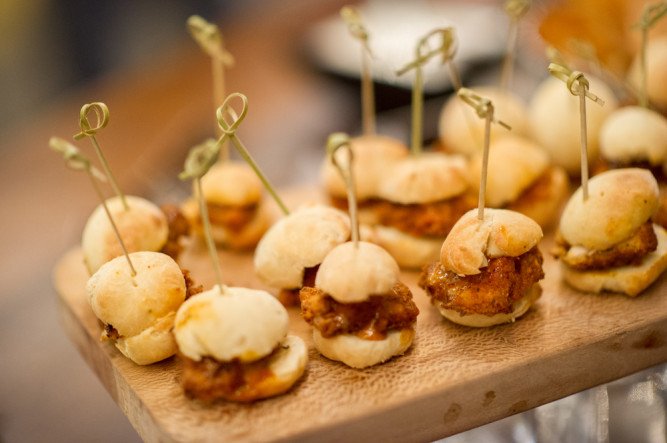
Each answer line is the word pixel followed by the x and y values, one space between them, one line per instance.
pixel 178 227
pixel 628 252
pixel 493 291
pixel 234 218
pixel 209 379
pixel 370 320
pixel 429 219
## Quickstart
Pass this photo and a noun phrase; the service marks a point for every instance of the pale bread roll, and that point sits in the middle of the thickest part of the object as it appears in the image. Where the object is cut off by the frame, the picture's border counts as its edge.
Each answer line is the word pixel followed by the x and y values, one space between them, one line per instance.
pixel 462 131
pixel 286 365
pixel 408 251
pixel 555 121
pixel 298 241
pixel 520 307
pixel 427 178
pixel 619 201
pixel 231 183
pixel 656 69
pixel 143 227
pixel 472 241
pixel 239 323
pixel 630 280
pixel 140 308
pixel 514 164
pixel 634 134
pixel 359 353
pixel 373 154
pixel 352 272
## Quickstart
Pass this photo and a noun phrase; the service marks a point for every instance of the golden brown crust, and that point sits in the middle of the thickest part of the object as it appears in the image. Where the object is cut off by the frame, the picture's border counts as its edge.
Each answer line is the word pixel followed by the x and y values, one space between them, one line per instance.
pixel 493 291
pixel 368 320
pixel 543 199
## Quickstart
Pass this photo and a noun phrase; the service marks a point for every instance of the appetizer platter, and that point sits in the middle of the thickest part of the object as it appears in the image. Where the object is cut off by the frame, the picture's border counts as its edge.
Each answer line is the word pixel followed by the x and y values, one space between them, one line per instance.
pixel 381 303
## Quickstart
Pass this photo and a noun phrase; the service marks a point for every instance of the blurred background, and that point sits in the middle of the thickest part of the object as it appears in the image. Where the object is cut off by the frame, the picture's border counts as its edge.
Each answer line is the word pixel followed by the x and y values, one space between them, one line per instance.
pixel 137 57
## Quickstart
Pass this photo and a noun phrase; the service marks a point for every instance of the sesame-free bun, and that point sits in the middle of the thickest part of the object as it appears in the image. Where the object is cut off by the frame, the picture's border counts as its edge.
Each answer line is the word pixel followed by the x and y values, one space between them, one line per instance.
pixel 373 154
pixel 239 323
pixel 462 131
pixel 555 121
pixel 483 321
pixel 514 164
pixel 472 241
pixel 426 178
pixel 143 227
pixel 630 280
pixel 359 353
pixel 656 68
pixel 634 134
pixel 141 307
pixel 298 241
pixel 619 201
pixel 352 272
pixel 408 250
pixel 231 183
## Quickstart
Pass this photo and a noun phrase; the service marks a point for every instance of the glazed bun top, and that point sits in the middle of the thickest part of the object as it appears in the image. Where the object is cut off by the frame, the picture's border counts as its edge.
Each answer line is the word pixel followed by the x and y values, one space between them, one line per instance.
pixel 372 155
pixel 426 178
pixel 143 227
pixel 240 323
pixel 619 201
pixel 634 134
pixel 132 304
pixel 462 131
pixel 231 183
pixel 514 164
pixel 472 241
pixel 300 240
pixel 352 273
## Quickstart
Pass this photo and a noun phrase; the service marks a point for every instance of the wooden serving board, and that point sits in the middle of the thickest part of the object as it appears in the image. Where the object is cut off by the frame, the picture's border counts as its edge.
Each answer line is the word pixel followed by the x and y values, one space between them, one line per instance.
pixel 452 379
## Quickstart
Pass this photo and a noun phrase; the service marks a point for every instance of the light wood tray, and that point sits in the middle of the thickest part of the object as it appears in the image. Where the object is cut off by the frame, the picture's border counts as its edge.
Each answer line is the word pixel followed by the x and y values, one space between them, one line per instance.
pixel 452 379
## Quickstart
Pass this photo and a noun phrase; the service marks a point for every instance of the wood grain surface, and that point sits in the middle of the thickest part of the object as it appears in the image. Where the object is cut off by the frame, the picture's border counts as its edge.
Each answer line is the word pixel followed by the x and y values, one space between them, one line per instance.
pixel 452 379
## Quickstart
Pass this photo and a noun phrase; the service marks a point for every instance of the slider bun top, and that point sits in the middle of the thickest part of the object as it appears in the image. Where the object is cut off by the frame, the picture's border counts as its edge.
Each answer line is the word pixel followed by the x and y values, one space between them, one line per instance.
pixel 298 241
pixel 240 323
pixel 472 241
pixel 231 183
pixel 133 304
pixel 426 178
pixel 352 273
pixel 634 133
pixel 554 121
pixel 514 164
pixel 372 155
pixel 143 227
pixel 462 131
pixel 619 201
pixel 656 67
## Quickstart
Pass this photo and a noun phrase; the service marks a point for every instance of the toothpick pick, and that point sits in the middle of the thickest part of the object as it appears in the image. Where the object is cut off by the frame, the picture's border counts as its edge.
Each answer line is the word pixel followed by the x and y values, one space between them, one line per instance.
pixel 650 16
pixel 102 113
pixel 197 164
pixel 515 9
pixel 578 85
pixel 356 28
pixel 484 109
pixel 423 55
pixel 209 38
pixel 79 162
pixel 229 132
pixel 335 142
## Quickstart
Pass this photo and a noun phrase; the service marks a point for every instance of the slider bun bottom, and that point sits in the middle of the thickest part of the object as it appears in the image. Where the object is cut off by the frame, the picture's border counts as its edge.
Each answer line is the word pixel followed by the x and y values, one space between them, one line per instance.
pixel 482 321
pixel 287 366
pixel 630 280
pixel 151 345
pixel 408 251
pixel 359 353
